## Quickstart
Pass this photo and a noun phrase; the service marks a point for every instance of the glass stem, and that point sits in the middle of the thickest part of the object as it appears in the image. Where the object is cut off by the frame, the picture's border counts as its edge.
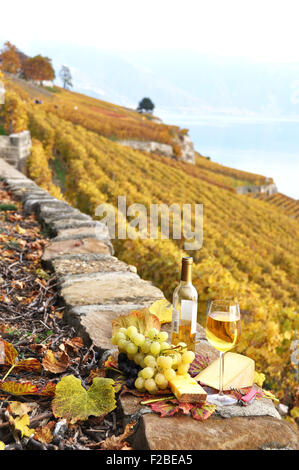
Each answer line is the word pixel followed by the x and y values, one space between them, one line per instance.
pixel 221 373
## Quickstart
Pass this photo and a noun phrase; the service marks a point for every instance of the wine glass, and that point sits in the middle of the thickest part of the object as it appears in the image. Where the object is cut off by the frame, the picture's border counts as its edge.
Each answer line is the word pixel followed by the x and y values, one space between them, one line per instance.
pixel 223 331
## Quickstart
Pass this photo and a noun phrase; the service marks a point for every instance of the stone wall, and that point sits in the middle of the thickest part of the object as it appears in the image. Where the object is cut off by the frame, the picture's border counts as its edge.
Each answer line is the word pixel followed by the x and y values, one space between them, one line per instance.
pixel 184 142
pixel 264 188
pixel 94 287
pixel 15 148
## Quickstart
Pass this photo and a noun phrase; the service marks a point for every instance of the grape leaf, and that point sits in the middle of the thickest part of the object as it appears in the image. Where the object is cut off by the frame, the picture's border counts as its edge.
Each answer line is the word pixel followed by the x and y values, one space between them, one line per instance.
pixel 200 362
pixel 18 408
pixel 29 364
pixel 163 310
pixel 9 355
pixel 44 433
pixel 2 445
pixel 202 411
pixel 21 423
pixel 55 362
pixel 142 319
pixel 19 388
pixel 47 390
pixel 74 403
pixel 166 408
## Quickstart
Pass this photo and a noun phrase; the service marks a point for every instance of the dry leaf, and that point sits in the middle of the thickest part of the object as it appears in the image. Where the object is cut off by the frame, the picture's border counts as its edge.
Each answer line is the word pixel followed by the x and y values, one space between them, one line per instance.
pixel 44 433
pixel 18 408
pixel 119 442
pixel 55 362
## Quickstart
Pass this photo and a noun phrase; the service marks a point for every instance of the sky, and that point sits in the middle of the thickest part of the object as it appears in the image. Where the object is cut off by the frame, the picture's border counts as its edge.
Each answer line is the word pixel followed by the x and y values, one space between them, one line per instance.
pixel 260 29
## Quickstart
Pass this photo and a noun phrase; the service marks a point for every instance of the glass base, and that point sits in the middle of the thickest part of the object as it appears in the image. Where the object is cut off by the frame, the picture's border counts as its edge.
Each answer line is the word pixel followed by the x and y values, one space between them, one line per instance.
pixel 221 400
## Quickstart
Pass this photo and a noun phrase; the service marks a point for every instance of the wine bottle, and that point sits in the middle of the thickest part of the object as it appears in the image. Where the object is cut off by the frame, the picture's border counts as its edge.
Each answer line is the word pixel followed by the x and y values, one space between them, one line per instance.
pixel 184 314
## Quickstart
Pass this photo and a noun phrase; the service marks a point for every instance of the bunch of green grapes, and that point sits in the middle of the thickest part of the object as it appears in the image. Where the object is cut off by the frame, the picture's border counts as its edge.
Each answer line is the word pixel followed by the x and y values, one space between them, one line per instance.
pixel 160 361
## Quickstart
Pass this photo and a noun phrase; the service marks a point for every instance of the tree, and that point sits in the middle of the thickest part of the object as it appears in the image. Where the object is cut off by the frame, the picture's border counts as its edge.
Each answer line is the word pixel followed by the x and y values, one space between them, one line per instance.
pixel 38 68
pixel 10 59
pixel 66 77
pixel 145 104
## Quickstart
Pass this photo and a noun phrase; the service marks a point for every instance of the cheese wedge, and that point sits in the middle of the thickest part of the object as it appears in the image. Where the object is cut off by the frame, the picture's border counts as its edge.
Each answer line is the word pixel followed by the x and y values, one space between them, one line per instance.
pixel 187 390
pixel 238 372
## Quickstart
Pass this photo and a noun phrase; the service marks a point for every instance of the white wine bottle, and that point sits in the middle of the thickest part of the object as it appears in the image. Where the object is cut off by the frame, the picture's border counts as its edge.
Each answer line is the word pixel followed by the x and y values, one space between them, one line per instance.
pixel 184 314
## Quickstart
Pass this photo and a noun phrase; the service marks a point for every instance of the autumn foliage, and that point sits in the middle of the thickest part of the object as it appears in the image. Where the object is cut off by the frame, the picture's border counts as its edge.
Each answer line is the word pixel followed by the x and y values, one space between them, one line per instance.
pixel 38 68
pixel 10 60
pixel 250 248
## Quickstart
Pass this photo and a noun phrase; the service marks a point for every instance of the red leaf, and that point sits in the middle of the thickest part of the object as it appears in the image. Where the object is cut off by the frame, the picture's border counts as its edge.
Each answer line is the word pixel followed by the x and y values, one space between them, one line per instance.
pixel 202 411
pixel 19 388
pixel 200 362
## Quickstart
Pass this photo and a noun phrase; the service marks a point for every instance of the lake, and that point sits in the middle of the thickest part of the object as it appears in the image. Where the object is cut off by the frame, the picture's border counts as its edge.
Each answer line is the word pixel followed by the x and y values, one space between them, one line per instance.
pixel 266 146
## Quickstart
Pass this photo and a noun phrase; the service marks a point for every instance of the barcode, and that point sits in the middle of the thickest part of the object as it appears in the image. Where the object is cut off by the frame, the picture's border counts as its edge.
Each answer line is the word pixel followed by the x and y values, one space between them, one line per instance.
pixel 176 326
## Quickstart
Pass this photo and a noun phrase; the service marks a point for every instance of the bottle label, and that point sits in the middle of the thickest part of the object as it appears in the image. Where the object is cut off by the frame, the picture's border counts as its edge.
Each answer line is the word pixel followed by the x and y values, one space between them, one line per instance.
pixel 189 312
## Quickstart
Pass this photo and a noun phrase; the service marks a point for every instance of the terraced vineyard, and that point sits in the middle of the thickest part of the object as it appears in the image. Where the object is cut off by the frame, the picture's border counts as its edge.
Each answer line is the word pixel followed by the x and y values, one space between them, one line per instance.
pixel 287 204
pixel 250 248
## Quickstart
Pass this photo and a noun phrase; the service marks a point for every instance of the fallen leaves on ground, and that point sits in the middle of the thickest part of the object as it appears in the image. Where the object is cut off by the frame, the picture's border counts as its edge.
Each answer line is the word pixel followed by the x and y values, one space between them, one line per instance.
pixel 74 403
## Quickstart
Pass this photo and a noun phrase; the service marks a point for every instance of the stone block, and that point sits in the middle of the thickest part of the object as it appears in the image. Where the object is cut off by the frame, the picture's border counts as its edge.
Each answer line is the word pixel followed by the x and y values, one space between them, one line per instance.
pixel 85 245
pixel 87 263
pixel 108 288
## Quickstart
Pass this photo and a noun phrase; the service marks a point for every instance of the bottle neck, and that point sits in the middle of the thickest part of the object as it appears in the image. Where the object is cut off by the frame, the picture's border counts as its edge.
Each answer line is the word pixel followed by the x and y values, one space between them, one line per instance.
pixel 186 275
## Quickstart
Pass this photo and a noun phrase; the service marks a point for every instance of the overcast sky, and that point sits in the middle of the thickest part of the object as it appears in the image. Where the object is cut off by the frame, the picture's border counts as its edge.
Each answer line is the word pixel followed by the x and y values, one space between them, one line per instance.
pixel 260 29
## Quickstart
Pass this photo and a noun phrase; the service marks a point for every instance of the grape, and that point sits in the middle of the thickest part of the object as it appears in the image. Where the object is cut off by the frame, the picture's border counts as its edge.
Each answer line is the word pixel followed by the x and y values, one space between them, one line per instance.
pixel 176 358
pixel 169 374
pixel 155 348
pixel 161 380
pixel 183 369
pixel 130 383
pixel 131 349
pixel 148 372
pixel 162 336
pixel 152 333
pixel 150 385
pixel 114 340
pixel 122 357
pixel 150 361
pixel 119 336
pixel 164 345
pixel 122 345
pixel 145 348
pixel 123 330
pixel 132 331
pixel 138 358
pixel 139 383
pixel 165 362
pixel 188 357
pixel 133 372
pixel 139 339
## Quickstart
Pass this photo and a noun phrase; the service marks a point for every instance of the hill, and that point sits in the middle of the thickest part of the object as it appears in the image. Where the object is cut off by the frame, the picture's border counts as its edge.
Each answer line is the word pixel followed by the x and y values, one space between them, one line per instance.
pixel 250 247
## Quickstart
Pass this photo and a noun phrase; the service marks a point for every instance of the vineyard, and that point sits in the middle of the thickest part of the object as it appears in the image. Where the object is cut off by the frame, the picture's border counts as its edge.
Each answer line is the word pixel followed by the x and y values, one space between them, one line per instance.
pixel 289 205
pixel 250 246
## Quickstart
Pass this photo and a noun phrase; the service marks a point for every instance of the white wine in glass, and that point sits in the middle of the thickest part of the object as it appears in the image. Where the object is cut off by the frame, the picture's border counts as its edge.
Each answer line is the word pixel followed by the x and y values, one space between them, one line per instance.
pixel 223 331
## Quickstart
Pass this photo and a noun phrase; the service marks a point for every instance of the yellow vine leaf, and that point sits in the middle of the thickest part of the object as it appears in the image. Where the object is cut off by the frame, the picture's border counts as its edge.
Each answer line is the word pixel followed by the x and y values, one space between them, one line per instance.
pixel 2 445
pixel 74 403
pixel 21 424
pixel 259 378
pixel 142 319
pixel 163 310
